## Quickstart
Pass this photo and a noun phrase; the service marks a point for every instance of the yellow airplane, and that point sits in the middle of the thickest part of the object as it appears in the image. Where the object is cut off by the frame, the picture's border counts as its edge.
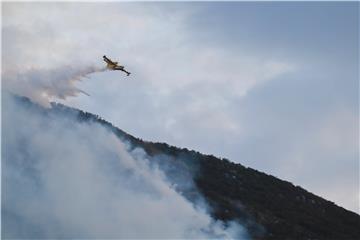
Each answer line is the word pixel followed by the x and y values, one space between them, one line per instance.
pixel 114 65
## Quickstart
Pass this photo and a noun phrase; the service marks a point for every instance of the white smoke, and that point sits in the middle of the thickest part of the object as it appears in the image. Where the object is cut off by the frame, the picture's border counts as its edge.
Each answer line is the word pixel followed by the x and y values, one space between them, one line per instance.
pixel 66 179
pixel 45 85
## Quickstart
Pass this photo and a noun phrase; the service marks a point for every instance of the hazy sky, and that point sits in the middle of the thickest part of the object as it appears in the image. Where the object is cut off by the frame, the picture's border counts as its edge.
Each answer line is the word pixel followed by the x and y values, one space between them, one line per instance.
pixel 273 86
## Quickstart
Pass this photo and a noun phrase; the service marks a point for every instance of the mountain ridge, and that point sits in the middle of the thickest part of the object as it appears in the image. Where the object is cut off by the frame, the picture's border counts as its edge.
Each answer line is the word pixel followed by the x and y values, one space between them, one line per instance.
pixel 270 208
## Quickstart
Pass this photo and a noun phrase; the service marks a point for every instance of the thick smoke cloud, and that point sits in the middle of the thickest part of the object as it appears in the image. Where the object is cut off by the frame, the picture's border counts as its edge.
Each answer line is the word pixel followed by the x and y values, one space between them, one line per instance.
pixel 44 85
pixel 66 179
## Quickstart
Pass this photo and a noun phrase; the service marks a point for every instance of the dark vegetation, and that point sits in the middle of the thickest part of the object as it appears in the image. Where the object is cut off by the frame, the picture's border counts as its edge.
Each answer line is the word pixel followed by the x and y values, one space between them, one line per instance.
pixel 270 208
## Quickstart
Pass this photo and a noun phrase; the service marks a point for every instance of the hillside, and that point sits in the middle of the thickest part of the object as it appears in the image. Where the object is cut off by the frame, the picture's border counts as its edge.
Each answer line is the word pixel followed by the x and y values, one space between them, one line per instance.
pixel 268 207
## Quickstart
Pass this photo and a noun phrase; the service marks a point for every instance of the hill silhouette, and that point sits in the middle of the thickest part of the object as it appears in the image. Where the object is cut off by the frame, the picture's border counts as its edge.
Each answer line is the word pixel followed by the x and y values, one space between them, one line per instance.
pixel 270 208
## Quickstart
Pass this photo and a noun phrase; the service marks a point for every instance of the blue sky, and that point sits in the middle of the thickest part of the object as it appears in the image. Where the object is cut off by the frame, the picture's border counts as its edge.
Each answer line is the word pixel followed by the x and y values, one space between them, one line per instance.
pixel 271 85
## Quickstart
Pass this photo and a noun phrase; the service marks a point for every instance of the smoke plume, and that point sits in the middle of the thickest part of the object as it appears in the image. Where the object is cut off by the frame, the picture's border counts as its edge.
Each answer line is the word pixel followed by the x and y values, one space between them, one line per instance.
pixel 62 178
pixel 45 85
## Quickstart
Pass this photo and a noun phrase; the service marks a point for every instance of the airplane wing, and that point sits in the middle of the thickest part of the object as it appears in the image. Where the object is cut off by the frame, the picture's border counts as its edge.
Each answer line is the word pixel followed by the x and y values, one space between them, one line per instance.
pixel 107 60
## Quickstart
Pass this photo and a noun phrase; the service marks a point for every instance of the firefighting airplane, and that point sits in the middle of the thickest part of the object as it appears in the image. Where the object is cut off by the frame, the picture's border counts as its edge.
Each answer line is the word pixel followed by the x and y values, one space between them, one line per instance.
pixel 114 65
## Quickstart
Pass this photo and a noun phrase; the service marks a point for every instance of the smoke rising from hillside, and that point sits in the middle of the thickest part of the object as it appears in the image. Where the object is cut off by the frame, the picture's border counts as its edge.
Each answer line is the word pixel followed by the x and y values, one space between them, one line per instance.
pixel 66 179
pixel 45 85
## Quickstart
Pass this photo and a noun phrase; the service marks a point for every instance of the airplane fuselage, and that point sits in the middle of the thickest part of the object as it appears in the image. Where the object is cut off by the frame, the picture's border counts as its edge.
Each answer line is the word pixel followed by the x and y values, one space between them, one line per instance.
pixel 114 66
